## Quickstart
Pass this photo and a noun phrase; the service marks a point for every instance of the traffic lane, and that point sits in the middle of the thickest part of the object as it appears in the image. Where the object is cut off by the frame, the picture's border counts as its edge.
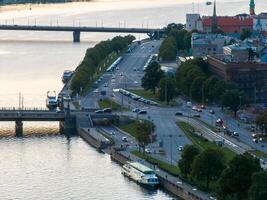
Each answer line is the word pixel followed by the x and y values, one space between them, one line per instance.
pixel 244 135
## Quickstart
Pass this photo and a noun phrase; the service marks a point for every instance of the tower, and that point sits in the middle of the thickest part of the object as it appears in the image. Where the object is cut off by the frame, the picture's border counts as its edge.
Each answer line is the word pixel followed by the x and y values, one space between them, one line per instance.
pixel 214 25
pixel 252 7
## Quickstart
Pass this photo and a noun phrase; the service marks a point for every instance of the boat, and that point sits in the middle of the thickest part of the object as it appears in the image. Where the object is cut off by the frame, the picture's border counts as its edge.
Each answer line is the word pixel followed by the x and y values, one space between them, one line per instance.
pixel 51 100
pixel 141 174
pixel 66 76
pixel 208 3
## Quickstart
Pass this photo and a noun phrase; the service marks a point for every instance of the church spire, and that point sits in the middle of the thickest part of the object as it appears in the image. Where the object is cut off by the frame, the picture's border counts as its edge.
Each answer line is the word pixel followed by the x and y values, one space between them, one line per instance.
pixel 214 25
pixel 252 7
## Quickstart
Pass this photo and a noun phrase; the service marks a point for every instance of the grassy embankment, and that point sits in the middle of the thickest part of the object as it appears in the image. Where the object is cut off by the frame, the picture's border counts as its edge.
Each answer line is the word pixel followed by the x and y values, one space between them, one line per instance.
pixel 107 103
pixel 202 143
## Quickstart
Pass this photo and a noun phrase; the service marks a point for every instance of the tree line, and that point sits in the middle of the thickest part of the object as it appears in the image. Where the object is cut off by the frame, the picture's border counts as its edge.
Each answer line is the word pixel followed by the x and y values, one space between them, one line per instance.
pixel 91 64
pixel 240 179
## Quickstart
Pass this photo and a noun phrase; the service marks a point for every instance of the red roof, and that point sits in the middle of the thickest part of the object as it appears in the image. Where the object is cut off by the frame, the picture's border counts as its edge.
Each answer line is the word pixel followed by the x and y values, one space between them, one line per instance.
pixel 230 23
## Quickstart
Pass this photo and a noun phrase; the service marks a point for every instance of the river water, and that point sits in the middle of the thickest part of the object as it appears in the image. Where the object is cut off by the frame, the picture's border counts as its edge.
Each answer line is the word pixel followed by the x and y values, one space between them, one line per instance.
pixel 55 167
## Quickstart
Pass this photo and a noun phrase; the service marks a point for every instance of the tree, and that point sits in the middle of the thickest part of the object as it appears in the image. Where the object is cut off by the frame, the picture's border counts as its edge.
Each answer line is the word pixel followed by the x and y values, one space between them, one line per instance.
pixel 258 188
pixel 236 178
pixel 261 121
pixel 208 165
pixel 153 74
pixel 173 26
pixel 233 99
pixel 188 155
pixel 144 129
pixel 167 89
pixel 168 49
pixel 245 33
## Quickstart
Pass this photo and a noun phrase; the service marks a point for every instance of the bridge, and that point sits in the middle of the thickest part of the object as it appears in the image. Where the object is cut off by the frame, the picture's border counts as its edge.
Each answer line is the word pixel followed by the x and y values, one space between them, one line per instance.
pixel 68 119
pixel 153 33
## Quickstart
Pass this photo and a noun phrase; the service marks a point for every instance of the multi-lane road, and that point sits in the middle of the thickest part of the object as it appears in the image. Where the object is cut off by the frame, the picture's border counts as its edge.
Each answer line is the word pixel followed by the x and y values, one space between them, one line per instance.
pixel 128 75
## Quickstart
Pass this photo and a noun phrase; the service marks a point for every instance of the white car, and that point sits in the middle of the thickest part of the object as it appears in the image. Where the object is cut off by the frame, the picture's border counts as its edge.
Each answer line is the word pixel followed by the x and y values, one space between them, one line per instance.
pixel 112 133
pixel 180 148
pixel 124 139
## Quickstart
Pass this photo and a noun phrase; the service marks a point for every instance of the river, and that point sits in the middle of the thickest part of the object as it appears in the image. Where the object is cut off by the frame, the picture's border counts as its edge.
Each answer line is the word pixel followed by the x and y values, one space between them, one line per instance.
pixel 55 167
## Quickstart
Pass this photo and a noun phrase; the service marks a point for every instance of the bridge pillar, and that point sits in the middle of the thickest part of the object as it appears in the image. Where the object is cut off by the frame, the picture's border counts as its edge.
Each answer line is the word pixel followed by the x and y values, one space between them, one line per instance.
pixel 68 127
pixel 76 36
pixel 19 128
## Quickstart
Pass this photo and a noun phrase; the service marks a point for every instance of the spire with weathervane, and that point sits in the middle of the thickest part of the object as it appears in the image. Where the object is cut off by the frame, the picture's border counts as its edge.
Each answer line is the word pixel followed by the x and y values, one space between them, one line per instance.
pixel 252 7
pixel 214 25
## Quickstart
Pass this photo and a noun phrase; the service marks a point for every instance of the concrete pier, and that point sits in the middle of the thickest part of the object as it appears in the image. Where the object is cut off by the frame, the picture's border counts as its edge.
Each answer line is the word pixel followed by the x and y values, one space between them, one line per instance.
pixel 76 36
pixel 19 128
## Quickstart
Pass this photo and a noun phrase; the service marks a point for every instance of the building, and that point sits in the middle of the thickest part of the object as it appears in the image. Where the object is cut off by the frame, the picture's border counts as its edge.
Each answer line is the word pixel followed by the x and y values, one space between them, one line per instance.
pixel 251 77
pixel 193 22
pixel 207 44
pixel 236 53
pixel 260 22
pixel 228 24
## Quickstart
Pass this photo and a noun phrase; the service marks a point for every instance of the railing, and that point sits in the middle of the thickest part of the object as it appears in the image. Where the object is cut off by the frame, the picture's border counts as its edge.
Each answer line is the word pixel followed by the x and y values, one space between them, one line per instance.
pixel 24 108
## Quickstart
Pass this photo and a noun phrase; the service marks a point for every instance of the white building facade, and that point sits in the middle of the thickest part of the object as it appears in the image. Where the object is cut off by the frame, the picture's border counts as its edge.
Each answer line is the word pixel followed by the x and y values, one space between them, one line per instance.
pixel 260 22
pixel 194 22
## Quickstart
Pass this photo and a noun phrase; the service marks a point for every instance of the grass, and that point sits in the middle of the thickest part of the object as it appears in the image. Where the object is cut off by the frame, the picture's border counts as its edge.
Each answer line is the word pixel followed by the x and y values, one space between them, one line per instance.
pixel 203 143
pixel 107 103
pixel 213 128
pixel 171 169
pixel 130 128
pixel 258 153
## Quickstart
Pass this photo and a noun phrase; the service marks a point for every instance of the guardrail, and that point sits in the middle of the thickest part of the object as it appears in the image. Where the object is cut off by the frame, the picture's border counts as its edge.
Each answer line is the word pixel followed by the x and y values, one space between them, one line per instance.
pixel 24 108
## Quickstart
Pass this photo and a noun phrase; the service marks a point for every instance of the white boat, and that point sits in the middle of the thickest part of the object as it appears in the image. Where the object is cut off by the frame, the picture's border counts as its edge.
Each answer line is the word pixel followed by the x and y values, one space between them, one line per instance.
pixel 51 100
pixel 66 76
pixel 140 173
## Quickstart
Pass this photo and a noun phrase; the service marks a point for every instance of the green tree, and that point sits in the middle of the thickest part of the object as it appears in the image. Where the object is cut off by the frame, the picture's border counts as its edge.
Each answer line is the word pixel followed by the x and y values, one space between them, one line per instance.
pixel 258 188
pixel 197 88
pixel 167 89
pixel 168 49
pixel 236 178
pixel 245 33
pixel 188 155
pixel 144 129
pixel 208 165
pixel 153 74
pixel 261 121
pixel 233 99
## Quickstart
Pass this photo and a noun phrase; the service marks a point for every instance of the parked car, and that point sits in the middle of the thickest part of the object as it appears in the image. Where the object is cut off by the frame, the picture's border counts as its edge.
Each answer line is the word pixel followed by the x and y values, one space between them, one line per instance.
pixel 112 133
pixel 124 139
pixel 179 114
pixel 236 134
pixel 142 112
pixel 148 151
pixel 136 110
pixel 211 112
pixel 196 115
pixel 203 107
pixel 99 111
pixel 255 140
pixel 107 110
pixel 105 85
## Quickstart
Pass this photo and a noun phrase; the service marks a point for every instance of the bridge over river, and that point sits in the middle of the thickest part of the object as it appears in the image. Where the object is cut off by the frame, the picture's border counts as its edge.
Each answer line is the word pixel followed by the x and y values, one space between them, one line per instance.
pixel 153 33
pixel 70 120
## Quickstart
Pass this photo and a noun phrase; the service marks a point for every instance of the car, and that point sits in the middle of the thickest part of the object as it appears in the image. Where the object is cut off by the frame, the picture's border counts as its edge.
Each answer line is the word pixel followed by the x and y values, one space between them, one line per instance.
pixel 105 85
pixel 203 107
pixel 142 112
pixel 211 112
pixel 255 140
pixel 134 69
pixel 179 114
pixel 60 111
pixel 199 110
pixel 112 133
pixel 96 91
pixel 124 139
pixel 107 110
pixel 121 74
pixel 99 111
pixel 180 148
pixel 236 134
pixel 194 108
pixel 136 110
pixel 254 135
pixel 196 115
pixel 117 68
pixel 148 151
pixel 113 77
